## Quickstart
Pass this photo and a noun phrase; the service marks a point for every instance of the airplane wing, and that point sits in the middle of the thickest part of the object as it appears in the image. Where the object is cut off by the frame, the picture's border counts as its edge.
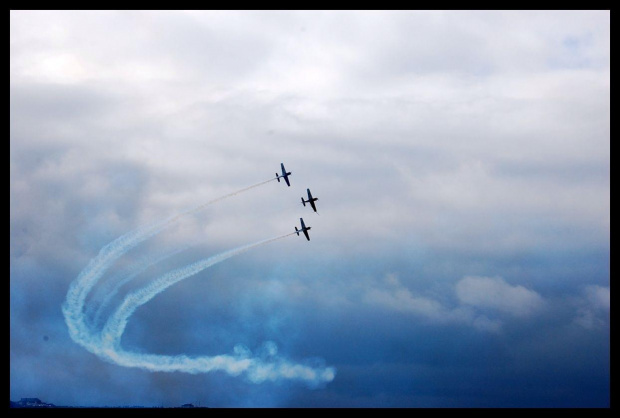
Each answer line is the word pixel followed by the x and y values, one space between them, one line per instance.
pixel 311 200
pixel 304 229
pixel 285 175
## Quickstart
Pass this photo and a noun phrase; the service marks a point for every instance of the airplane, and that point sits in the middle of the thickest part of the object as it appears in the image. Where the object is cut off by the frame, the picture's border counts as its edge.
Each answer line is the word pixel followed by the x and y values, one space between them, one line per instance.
pixel 310 200
pixel 303 229
pixel 284 175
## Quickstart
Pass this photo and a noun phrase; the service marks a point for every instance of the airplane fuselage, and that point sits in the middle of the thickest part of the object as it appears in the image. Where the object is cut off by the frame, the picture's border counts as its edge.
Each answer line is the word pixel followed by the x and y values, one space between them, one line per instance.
pixel 310 200
pixel 284 175
pixel 303 229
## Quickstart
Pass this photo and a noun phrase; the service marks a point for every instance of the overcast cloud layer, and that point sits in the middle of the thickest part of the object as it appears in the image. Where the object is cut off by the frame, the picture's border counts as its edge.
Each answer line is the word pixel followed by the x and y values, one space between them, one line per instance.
pixel 461 161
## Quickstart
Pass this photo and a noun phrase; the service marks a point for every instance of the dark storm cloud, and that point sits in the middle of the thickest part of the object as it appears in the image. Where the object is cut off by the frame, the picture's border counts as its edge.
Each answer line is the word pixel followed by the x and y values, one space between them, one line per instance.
pixel 454 365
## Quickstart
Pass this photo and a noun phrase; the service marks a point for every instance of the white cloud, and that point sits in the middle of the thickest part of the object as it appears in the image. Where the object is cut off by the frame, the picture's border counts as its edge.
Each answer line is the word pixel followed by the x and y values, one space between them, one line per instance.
pixel 483 323
pixel 398 106
pixel 401 299
pixel 390 294
pixel 495 293
pixel 599 297
pixel 428 136
pixel 593 307
pixel 482 300
pixel 397 135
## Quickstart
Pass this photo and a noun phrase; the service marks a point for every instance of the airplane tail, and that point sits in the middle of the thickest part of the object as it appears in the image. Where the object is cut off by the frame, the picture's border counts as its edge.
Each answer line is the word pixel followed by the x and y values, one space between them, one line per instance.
pixel 297 231
pixel 278 177
pixel 303 201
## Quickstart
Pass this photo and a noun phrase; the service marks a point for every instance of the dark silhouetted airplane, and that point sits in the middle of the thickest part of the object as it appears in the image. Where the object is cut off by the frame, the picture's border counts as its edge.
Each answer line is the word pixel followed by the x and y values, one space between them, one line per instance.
pixel 284 175
pixel 303 229
pixel 310 200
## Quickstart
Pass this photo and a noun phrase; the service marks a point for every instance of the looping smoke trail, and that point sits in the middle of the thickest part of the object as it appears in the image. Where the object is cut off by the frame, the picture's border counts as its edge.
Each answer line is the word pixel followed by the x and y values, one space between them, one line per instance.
pixel 115 326
pixel 88 278
pixel 110 290
pixel 106 343
pixel 256 370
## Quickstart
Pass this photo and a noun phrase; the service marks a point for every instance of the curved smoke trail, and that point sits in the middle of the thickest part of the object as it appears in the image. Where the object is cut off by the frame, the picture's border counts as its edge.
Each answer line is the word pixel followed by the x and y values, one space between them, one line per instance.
pixel 110 289
pixel 88 278
pixel 106 342
pixel 115 326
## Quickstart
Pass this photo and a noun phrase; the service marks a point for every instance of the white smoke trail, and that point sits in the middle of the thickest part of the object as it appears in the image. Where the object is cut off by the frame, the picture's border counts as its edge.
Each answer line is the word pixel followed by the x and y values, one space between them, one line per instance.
pixel 88 278
pixel 106 343
pixel 74 303
pixel 110 290
pixel 115 326
pixel 200 207
pixel 257 370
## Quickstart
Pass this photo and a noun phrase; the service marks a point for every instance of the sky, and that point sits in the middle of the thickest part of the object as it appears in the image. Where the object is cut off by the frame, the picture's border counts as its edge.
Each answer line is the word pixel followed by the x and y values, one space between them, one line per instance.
pixel 461 251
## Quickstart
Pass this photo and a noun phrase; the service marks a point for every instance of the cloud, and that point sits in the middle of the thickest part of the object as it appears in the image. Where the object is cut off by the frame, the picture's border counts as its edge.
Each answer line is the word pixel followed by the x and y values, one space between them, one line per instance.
pixel 456 155
pixel 233 99
pixel 599 297
pixel 593 307
pixel 496 294
pixel 392 295
pixel 402 300
pixel 482 301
